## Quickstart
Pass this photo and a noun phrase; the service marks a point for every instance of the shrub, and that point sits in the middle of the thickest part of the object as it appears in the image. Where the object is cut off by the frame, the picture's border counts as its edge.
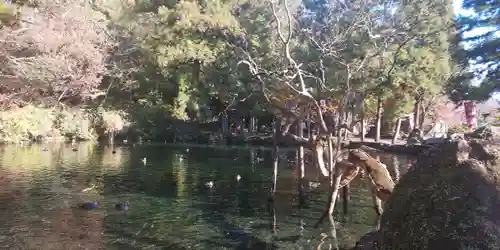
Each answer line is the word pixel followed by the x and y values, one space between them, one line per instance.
pixel 58 53
pixel 32 123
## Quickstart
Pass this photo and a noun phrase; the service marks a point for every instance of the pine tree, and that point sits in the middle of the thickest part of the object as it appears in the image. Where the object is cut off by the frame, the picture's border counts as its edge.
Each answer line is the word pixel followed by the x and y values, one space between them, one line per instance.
pixel 482 50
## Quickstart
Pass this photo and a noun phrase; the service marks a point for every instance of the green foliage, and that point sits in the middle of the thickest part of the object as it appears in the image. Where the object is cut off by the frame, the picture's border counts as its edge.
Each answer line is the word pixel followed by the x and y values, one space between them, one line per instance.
pixel 481 49
pixel 190 31
pixel 179 106
pixel 171 59
pixel 7 14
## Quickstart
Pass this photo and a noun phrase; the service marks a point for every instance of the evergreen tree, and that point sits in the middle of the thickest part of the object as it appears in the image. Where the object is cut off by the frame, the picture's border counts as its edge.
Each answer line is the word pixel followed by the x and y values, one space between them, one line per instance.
pixel 481 50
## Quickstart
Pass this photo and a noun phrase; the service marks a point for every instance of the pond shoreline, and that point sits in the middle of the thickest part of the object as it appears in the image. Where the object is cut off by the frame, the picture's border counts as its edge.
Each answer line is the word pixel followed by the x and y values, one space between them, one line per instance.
pixel 384 145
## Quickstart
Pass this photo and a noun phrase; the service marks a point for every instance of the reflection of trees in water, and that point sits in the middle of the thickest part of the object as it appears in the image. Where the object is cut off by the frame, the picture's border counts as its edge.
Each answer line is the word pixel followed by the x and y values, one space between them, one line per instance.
pixel 179 171
pixel 231 200
pixel 30 158
pixel 170 207
pixel 47 159
pixel 12 196
pixel 69 228
pixel 47 179
pixel 36 221
pixel 217 211
pixel 113 160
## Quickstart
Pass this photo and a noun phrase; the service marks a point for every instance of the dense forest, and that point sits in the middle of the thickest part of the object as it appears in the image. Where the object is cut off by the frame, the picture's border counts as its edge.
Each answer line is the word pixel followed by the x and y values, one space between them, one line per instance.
pixel 148 68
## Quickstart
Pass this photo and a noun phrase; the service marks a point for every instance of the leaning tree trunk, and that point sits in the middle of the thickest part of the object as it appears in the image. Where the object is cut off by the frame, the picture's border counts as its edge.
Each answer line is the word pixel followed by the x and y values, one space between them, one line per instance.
pixel 335 173
pixel 396 133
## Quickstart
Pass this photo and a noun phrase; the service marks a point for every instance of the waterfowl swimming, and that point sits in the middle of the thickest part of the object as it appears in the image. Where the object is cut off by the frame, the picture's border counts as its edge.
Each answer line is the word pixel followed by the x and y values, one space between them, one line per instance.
pixel 144 160
pixel 209 184
pixel 89 205
pixel 122 206
pixel 238 178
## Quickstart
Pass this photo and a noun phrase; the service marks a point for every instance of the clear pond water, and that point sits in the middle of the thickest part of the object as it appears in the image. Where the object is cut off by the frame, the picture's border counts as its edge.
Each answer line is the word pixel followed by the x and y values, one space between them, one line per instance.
pixel 170 207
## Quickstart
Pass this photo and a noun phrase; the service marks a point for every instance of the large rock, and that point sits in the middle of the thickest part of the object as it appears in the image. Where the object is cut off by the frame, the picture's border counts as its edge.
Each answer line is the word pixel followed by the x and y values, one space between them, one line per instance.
pixel 453 204
pixel 368 241
pixel 446 201
pixel 485 132
pixel 486 151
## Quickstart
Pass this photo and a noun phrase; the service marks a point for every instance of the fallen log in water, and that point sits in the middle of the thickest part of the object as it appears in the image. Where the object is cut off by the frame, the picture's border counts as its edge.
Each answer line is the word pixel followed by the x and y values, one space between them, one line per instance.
pixel 449 198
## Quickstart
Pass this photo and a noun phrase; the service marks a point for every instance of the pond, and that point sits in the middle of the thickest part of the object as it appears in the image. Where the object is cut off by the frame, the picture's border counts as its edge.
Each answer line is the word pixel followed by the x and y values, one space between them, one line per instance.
pixel 170 207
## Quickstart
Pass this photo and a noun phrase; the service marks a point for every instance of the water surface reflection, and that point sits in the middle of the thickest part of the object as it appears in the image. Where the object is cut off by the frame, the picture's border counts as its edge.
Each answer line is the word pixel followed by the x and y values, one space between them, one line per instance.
pixel 170 208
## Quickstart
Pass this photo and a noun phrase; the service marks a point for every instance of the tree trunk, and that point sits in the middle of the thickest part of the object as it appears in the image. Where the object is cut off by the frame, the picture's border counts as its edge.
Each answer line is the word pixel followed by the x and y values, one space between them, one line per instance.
pixel 379 119
pixel 362 129
pixel 276 132
pixel 112 138
pixel 300 164
pixel 300 152
pixel 318 151
pixel 224 123
pixel 309 129
pixel 422 117
pixel 377 203
pixel 253 125
pixel 242 126
pixel 345 197
pixel 331 158
pixel 347 123
pixel 396 133
pixel 416 113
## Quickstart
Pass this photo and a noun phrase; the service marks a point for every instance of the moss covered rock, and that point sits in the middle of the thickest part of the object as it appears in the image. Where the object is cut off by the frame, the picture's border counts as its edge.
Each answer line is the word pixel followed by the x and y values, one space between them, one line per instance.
pixel 446 201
